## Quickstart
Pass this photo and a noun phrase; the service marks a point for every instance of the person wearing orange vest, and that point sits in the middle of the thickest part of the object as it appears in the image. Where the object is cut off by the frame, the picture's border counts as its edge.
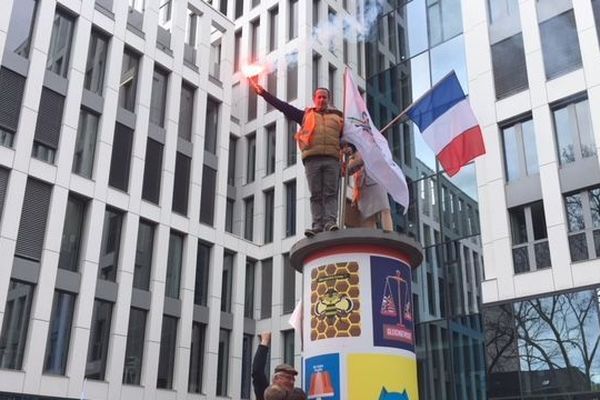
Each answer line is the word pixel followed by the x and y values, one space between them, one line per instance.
pixel 319 142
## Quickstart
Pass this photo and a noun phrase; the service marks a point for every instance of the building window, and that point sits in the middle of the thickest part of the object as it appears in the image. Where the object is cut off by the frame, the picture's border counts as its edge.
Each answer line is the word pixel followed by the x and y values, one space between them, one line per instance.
pixel 560 45
pixel 444 20
pixel 212 126
pixel 215 60
pixel 289 285
pixel 574 133
pixel 12 86
pixel 59 333
pixel 196 358
pixel 128 83
pixel 152 171
pixel 96 63
pixel 529 238
pixel 293 19
pixel 32 228
pixel 174 263
pixel 266 292
pixel 292 81
pixel 291 156
pixel 541 340
pixel 111 244
pixel 229 215
pixel 252 103
pixel 166 360
pixel 85 144
pixel 251 160
pixel 143 255
pixel 271 87
pixel 95 367
pixel 499 9
pixel 331 83
pixel 520 154
pixel 237 48
pixel 254 28
pixel 226 283
pixel 288 346
pixel 249 218
pixel 134 350
pixel 60 44
pixel 120 161
pixel 207 197
pixel 186 112
pixel 274 28
pixel 181 184
pixel 202 268
pixel 15 324
pixel 48 125
pixel 20 29
pixel 71 236
pixel 583 215
pixel 4 173
pixel 290 208
pixel 159 96
pixel 239 8
pixel 249 289
pixel 246 366
pixel 271 140
pixel 231 161
pixel 223 363
pixel 316 61
pixel 269 211
pixel 510 70
pixel 191 29
pixel 137 5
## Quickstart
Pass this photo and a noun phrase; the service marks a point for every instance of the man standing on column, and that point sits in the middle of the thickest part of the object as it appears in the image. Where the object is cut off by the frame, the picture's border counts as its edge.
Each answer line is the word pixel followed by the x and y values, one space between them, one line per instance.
pixel 319 141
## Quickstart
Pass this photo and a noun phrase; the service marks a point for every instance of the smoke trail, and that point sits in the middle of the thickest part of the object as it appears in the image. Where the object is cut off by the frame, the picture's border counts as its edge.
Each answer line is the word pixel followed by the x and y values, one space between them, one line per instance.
pixel 352 28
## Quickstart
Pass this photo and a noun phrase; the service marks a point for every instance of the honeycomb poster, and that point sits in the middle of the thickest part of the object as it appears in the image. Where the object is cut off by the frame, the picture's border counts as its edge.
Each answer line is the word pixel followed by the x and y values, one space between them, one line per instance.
pixel 334 301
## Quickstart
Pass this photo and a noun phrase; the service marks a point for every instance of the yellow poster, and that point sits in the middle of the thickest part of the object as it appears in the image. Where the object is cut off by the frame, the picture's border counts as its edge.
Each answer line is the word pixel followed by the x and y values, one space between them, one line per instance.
pixel 381 377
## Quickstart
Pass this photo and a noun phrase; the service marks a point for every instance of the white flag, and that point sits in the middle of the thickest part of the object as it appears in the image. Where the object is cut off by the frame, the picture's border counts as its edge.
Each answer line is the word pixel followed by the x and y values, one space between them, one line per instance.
pixel 296 317
pixel 372 145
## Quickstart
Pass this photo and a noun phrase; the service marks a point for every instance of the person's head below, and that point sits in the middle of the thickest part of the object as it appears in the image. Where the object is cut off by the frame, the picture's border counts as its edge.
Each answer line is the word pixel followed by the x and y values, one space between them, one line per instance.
pixel 285 376
pixel 275 392
pixel 321 99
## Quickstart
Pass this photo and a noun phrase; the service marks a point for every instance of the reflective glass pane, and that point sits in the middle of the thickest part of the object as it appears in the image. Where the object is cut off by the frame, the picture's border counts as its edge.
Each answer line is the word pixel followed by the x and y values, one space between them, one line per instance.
pixel 542 255
pixel 578 247
pixel 520 259
pixel 531 160
pixel 134 351
pixel 584 126
pixel 59 333
pixel 21 27
pixel 562 125
pixel 15 324
pixel 511 153
pixel 574 212
pixel 595 206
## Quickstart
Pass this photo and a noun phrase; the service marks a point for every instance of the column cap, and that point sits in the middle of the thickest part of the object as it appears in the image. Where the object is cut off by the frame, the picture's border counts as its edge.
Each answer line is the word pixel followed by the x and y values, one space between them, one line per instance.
pixel 347 240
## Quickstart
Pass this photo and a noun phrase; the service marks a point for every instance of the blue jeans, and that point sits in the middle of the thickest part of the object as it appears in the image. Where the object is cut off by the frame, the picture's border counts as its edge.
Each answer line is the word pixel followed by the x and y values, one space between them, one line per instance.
pixel 323 176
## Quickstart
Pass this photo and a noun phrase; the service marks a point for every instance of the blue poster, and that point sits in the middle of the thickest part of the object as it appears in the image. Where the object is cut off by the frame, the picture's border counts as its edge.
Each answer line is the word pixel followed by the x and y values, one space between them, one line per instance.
pixel 391 297
pixel 322 377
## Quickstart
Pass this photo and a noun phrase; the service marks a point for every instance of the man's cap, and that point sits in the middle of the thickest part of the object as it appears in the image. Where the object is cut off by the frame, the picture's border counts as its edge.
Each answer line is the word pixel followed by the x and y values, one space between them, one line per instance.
pixel 286 368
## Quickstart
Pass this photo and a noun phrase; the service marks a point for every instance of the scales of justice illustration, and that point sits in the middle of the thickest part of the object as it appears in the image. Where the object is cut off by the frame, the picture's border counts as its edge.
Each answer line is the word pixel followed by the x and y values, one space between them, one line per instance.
pixel 397 308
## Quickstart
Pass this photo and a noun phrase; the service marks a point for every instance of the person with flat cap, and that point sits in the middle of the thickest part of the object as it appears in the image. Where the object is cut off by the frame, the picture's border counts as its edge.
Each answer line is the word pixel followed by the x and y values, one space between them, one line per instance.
pixel 284 376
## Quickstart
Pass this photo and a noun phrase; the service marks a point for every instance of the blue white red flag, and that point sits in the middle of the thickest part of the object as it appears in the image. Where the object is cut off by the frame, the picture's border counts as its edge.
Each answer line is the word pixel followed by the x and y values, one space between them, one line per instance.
pixel 448 124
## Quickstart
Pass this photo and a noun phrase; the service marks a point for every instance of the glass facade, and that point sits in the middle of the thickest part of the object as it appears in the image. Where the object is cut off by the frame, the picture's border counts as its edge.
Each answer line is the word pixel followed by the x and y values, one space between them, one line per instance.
pixel 544 347
pixel 416 44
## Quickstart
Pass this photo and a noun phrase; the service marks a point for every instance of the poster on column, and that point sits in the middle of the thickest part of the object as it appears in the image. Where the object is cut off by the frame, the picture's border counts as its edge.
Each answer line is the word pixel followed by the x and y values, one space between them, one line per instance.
pixel 381 377
pixel 335 301
pixel 391 298
pixel 323 377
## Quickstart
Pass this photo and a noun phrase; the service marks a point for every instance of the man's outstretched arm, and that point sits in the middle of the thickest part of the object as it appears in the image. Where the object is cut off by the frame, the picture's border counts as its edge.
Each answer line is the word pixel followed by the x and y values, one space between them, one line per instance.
pixel 259 379
pixel 287 109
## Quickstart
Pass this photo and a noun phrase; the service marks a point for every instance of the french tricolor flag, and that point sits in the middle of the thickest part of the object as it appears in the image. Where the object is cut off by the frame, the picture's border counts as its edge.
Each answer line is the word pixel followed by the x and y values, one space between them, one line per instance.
pixel 448 124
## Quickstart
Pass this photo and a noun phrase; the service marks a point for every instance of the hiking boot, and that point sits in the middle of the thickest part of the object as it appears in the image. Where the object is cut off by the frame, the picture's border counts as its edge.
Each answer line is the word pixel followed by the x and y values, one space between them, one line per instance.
pixel 332 228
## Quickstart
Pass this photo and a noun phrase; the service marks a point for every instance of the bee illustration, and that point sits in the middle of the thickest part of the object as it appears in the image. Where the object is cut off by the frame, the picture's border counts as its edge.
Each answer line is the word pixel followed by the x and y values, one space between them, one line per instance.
pixel 333 304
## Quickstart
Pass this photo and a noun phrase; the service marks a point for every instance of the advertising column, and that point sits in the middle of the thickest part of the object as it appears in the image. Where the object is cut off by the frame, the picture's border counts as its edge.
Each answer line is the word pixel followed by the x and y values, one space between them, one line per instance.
pixel 358 327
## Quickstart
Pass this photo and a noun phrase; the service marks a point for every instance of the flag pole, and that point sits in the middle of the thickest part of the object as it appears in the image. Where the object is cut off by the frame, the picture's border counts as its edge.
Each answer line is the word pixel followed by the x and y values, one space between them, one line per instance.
pixel 342 221
pixel 402 116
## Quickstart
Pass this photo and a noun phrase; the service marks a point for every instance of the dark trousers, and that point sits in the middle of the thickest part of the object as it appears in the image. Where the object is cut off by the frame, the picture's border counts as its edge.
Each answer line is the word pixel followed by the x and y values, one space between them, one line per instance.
pixel 323 176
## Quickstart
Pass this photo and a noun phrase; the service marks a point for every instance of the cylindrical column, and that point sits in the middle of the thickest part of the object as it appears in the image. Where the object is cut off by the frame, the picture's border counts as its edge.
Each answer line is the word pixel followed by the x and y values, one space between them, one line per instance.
pixel 358 325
